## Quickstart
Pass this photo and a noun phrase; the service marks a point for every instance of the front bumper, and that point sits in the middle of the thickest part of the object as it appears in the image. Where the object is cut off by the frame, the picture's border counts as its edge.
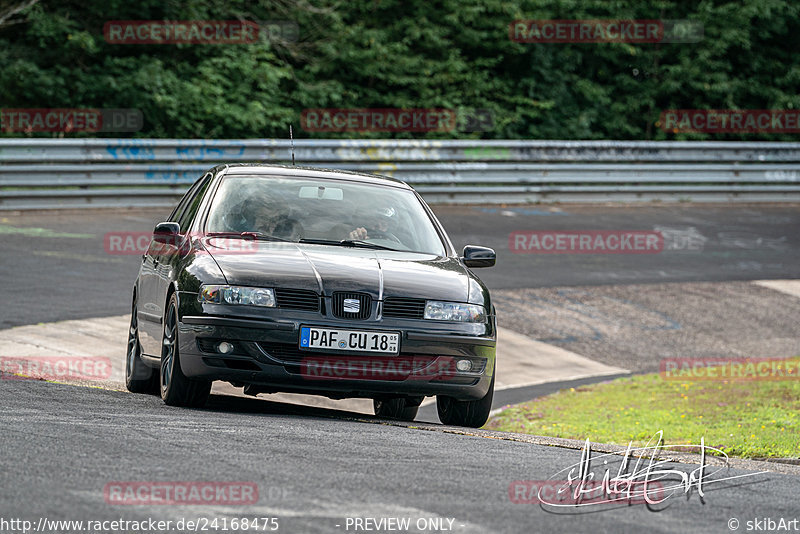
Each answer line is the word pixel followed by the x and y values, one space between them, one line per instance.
pixel 266 357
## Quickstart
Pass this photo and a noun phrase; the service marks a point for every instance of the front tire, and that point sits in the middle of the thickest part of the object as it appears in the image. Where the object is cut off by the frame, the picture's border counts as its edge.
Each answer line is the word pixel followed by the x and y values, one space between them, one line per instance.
pixel 139 377
pixel 176 388
pixel 473 414
pixel 401 408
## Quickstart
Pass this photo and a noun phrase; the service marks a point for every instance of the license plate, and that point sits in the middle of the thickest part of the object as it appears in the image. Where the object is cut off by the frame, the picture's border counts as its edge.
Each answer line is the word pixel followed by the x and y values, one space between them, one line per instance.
pixel 349 340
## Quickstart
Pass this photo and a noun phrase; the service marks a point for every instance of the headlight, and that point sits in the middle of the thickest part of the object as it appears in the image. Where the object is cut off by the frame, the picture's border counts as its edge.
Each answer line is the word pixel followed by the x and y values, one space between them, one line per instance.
pixel 249 296
pixel 454 311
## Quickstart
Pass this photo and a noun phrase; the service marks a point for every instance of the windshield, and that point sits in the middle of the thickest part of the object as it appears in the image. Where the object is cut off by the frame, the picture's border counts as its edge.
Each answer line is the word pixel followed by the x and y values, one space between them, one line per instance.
pixel 324 212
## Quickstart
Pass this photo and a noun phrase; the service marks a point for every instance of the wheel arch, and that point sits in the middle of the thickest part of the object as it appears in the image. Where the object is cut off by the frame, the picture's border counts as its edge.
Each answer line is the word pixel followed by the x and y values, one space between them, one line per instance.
pixel 172 288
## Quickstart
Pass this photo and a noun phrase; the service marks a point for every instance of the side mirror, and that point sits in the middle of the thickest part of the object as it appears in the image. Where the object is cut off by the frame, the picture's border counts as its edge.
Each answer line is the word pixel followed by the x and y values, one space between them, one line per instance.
pixel 475 256
pixel 166 233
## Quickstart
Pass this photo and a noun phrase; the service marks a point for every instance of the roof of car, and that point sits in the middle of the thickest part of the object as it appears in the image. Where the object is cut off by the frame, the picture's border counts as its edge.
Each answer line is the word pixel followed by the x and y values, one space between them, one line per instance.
pixel 310 172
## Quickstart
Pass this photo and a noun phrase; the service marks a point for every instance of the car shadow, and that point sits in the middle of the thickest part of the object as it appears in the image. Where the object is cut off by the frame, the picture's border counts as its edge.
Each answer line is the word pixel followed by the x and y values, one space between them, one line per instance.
pixel 258 406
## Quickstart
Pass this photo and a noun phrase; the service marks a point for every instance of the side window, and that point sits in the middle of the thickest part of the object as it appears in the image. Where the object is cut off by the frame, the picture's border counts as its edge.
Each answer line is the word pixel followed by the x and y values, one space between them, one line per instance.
pixel 193 204
pixel 181 207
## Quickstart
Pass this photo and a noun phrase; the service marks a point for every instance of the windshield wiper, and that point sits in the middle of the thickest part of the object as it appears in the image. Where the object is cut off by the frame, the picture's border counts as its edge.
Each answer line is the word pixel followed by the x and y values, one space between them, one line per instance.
pixel 363 244
pixel 346 243
pixel 247 235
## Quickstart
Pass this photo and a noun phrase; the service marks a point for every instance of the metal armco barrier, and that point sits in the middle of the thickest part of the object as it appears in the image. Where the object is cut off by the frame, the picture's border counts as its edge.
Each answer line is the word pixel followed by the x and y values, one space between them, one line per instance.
pixel 64 173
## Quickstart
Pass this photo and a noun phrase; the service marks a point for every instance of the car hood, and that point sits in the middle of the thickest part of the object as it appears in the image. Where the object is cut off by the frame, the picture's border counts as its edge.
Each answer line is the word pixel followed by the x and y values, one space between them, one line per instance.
pixel 327 269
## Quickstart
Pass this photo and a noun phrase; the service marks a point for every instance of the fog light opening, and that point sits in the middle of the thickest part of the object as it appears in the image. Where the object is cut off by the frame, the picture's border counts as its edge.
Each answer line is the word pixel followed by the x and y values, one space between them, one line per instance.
pixel 464 365
pixel 225 347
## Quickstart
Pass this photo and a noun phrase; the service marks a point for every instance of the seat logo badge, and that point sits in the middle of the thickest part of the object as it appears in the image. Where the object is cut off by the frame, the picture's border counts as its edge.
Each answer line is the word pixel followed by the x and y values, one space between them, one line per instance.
pixel 352 306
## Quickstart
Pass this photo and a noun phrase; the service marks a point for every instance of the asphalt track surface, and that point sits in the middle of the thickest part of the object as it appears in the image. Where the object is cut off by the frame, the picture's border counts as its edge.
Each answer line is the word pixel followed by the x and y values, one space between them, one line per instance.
pixel 315 468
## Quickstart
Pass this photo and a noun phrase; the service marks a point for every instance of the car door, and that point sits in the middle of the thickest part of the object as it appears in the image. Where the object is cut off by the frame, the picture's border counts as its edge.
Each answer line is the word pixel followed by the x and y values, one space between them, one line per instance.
pixel 171 256
pixel 150 302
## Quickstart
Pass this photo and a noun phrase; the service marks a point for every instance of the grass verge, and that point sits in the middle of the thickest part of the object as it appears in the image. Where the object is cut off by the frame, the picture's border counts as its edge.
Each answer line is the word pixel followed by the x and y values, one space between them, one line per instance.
pixel 746 418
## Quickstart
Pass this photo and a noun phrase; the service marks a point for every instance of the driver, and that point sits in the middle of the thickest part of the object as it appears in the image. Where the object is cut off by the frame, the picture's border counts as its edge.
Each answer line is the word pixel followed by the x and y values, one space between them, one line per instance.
pixel 265 215
pixel 378 224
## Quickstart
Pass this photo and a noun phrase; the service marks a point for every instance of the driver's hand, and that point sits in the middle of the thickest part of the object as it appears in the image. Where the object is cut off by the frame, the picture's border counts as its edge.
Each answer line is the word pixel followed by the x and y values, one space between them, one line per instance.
pixel 359 234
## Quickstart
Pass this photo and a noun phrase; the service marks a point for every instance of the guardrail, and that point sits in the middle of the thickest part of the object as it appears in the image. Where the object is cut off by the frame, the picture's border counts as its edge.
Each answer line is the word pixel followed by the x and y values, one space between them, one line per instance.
pixel 60 173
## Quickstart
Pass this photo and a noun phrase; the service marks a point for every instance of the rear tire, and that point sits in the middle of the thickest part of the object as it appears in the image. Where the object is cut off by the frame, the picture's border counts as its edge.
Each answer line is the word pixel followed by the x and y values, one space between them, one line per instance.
pixel 139 377
pixel 176 388
pixel 473 414
pixel 401 408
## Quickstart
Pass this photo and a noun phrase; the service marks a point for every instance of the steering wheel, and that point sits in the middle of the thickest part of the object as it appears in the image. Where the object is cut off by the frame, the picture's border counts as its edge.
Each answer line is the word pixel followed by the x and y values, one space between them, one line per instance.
pixel 290 229
pixel 373 233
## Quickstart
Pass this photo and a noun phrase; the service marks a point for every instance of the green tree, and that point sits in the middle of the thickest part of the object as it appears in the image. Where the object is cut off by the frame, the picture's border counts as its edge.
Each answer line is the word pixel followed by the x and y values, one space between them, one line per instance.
pixel 453 54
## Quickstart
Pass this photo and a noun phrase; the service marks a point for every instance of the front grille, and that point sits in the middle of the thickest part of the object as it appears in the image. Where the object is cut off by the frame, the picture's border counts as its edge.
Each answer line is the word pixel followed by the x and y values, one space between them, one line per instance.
pixel 290 354
pixel 297 299
pixel 285 352
pixel 207 345
pixel 338 304
pixel 404 307
pixel 292 359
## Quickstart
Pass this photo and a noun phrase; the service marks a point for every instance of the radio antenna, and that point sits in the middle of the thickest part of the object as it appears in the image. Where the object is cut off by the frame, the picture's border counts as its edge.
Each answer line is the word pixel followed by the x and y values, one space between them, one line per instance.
pixel 291 139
